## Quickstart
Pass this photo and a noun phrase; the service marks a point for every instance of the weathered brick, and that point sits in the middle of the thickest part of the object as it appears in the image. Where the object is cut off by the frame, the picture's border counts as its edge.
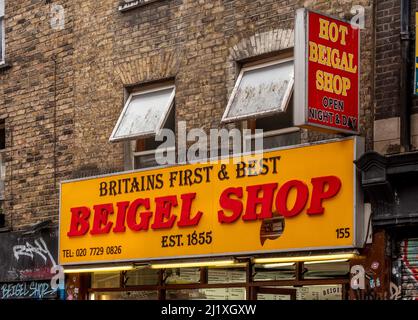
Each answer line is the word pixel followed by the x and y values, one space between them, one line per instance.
pixel 65 90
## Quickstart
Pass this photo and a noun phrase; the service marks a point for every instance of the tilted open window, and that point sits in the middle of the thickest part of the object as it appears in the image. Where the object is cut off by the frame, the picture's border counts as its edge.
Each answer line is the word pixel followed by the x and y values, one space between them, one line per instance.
pixel 144 114
pixel 146 152
pixel 261 90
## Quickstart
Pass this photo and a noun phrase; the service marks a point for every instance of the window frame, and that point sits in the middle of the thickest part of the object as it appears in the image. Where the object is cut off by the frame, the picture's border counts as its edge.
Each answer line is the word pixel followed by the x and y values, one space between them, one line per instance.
pixel 285 101
pixel 271 133
pixel 160 124
pixel 250 284
pixel 149 152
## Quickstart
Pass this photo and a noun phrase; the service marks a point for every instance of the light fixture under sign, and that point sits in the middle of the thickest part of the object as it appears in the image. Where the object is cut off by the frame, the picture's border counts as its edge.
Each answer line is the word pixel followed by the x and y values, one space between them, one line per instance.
pixel 191 264
pixel 316 259
pixel 99 269
pixel 326 261
pixel 277 265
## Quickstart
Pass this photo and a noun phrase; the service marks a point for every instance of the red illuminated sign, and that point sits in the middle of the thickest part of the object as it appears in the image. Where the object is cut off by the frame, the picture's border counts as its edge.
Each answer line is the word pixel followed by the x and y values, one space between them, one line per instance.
pixel 326 73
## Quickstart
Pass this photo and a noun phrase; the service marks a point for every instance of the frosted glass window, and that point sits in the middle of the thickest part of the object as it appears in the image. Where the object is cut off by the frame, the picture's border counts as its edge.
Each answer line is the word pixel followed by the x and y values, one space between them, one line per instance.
pixel 144 114
pixel 226 275
pixel 182 275
pixel 105 280
pixel 141 277
pixel 207 294
pixel 125 295
pixel 261 90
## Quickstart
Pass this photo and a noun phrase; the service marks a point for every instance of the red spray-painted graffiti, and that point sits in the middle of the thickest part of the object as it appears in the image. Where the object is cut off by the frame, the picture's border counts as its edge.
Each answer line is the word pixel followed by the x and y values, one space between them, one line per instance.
pixel 409 269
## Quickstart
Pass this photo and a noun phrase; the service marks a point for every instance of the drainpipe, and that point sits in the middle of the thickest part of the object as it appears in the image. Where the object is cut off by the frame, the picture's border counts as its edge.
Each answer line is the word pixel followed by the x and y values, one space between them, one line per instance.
pixel 405 77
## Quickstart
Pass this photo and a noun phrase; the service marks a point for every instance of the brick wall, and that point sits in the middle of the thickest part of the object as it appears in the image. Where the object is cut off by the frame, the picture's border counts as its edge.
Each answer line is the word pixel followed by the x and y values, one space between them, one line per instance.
pixel 101 52
pixel 36 101
pixel 387 77
pixel 388 57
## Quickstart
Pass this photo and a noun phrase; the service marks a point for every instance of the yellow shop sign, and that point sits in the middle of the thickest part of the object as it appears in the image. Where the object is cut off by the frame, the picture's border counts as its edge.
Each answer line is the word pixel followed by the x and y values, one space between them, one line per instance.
pixel 298 198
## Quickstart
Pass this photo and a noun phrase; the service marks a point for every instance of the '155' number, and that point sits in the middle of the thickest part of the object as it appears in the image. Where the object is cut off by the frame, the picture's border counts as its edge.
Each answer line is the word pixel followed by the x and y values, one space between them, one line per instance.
pixel 343 233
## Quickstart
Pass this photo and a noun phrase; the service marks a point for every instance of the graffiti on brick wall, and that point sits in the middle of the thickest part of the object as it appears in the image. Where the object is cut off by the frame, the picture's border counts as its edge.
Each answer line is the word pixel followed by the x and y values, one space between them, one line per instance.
pixel 38 248
pixel 28 256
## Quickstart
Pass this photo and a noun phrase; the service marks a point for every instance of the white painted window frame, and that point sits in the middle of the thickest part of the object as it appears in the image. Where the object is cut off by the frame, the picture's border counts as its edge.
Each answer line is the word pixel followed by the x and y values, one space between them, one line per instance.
pixel 271 133
pixel 148 152
pixel 277 132
pixel 159 126
pixel 285 101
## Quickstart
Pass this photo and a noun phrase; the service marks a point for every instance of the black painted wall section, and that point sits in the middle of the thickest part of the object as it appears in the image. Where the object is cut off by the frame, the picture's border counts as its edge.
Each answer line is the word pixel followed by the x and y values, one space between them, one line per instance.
pixel 391 186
